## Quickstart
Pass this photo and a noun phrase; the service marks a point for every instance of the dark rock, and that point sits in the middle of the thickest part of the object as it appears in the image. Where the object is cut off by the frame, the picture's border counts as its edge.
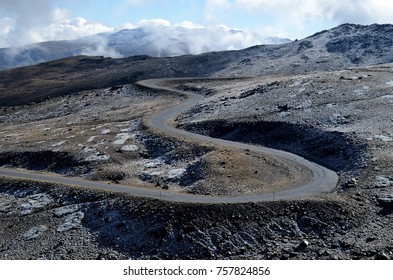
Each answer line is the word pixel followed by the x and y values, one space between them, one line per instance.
pixel 370 239
pixel 283 108
pixel 303 244
pixel 385 201
pixel 382 256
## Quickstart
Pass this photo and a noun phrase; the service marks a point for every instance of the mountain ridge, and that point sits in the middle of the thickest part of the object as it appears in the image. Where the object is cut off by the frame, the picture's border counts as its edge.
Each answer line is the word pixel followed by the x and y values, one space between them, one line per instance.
pixel 334 49
pixel 161 41
pixel 348 45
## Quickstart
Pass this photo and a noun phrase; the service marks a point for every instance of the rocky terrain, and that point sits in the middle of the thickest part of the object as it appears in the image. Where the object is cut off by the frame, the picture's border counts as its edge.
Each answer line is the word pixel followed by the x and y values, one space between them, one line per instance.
pixel 45 221
pixel 329 50
pixel 79 135
pixel 340 118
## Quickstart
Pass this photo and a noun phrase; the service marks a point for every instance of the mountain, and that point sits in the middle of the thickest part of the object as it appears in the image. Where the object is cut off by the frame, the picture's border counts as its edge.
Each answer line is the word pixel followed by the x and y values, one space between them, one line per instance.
pixel 345 46
pixel 156 41
pixel 348 45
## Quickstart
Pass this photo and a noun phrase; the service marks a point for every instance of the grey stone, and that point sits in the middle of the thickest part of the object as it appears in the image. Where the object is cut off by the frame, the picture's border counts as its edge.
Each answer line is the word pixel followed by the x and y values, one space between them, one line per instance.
pixel 34 232
pixel 383 181
pixel 72 221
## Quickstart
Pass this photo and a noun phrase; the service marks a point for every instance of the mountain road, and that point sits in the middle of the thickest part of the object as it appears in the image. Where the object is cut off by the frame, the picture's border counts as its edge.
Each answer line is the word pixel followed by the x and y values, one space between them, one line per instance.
pixel 321 181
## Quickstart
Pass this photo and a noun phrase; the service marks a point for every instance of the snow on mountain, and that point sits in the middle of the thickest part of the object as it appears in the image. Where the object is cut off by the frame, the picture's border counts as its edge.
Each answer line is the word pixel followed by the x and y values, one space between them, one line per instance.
pixel 157 41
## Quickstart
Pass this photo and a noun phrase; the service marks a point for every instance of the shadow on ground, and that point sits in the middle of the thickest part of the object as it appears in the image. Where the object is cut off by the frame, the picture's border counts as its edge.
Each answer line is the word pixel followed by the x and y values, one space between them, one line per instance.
pixel 335 150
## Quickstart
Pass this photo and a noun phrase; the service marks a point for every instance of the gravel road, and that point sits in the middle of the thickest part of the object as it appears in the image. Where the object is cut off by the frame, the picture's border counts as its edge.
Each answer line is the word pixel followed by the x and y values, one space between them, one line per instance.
pixel 322 179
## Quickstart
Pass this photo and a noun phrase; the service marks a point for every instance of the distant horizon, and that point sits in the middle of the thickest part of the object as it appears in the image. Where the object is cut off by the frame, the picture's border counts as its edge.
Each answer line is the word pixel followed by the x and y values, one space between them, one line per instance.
pixel 201 27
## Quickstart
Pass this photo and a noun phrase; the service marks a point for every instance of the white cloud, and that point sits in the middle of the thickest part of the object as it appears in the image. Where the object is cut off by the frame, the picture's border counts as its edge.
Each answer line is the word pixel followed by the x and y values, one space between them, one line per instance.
pixel 72 29
pixel 35 21
pixel 59 15
pixel 189 24
pixel 62 28
pixel 302 13
pixel 196 39
pixel 153 22
pixel 6 27
pixel 362 11
pixel 126 25
pixel 100 48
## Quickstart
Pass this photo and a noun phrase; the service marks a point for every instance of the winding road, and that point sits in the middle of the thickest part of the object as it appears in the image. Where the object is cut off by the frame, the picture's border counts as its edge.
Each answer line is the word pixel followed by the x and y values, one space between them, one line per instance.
pixel 322 179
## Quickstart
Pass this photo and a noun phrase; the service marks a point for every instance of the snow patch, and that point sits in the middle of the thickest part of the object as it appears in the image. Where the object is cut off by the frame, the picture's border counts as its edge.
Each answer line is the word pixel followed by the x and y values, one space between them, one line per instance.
pixel 154 173
pixel 34 232
pixel 105 131
pixel 97 157
pixel 91 139
pixel 383 138
pixel 387 97
pixel 58 144
pixel 390 83
pixel 37 201
pixel 176 173
pixel 89 150
pixel 72 221
pixel 121 138
pixel 69 209
pixel 284 114
pixel 305 105
pixel 383 181
pixel 14 135
pixel 153 164
pixel 130 148
pixel 296 83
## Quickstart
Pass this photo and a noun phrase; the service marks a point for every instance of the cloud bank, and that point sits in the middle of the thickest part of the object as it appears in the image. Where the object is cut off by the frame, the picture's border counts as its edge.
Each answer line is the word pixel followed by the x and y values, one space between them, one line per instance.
pixel 301 14
pixel 20 25
pixel 300 11
pixel 161 38
pixel 37 21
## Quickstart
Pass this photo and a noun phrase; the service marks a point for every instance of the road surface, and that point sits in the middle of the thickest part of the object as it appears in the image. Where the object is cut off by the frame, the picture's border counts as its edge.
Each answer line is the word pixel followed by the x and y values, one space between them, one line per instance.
pixel 322 179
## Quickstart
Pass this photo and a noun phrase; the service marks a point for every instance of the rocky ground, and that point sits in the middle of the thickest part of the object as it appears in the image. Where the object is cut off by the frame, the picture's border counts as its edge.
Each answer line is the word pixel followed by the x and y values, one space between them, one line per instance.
pixel 80 135
pixel 43 221
pixel 341 119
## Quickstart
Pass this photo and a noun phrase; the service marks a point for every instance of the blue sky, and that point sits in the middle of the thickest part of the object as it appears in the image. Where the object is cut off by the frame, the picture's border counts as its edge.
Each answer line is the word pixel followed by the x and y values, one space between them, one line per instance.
pixel 116 13
pixel 27 21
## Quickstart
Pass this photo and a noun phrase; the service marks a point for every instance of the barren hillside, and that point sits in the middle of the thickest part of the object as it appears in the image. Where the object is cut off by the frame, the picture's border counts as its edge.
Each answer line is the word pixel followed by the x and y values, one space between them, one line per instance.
pixel 326 98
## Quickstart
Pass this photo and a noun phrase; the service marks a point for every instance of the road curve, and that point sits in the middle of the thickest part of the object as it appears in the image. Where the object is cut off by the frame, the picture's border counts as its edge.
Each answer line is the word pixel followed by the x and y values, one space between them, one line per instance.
pixel 322 180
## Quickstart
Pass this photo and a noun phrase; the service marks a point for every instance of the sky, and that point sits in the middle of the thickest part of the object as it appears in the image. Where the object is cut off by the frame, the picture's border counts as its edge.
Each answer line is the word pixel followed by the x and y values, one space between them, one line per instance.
pixel 30 21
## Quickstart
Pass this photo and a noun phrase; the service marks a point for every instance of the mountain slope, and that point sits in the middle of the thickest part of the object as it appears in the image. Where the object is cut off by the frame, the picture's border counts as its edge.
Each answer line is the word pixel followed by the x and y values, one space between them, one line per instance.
pixel 347 45
pixel 157 41
pixel 335 49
